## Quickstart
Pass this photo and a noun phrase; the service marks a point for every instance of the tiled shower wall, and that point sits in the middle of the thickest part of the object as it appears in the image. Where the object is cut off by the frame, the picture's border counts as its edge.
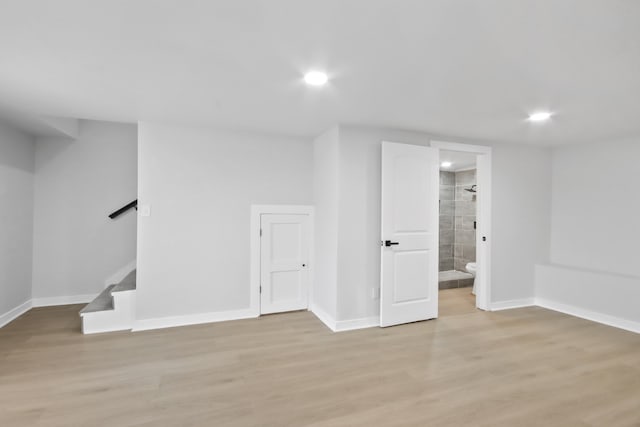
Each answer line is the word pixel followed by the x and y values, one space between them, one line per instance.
pixel 464 248
pixel 447 218
pixel 457 217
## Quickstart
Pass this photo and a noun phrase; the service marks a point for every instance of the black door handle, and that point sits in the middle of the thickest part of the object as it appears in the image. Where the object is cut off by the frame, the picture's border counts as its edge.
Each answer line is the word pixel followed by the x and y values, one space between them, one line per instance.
pixel 390 243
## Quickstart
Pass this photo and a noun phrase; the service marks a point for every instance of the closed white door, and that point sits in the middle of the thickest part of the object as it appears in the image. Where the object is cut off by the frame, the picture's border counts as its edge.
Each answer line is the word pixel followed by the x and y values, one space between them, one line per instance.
pixel 409 275
pixel 284 262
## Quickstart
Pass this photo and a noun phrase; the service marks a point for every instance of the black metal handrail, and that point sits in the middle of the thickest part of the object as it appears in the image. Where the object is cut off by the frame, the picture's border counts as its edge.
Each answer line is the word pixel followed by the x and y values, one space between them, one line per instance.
pixel 115 214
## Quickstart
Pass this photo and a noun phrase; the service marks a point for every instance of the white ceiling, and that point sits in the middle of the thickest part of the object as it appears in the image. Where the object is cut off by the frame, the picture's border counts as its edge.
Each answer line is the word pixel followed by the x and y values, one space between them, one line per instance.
pixel 468 68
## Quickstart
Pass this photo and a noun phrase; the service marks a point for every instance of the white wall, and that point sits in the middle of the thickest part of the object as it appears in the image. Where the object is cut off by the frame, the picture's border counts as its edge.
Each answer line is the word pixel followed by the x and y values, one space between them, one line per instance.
pixel 77 184
pixel 521 223
pixel 193 250
pixel 595 233
pixel 17 152
pixel 595 207
pixel 521 217
pixel 326 198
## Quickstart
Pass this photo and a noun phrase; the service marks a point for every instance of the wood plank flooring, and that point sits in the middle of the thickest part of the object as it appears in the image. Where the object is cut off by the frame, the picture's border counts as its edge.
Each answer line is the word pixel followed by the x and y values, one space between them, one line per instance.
pixel 523 367
pixel 456 301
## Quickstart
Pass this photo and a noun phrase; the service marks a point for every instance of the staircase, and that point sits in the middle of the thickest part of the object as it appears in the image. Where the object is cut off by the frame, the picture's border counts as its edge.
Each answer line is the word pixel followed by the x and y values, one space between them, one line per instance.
pixel 113 309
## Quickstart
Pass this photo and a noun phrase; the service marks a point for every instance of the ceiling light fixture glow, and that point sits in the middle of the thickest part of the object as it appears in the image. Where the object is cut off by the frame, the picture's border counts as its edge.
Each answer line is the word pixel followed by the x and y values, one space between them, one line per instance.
pixel 446 164
pixel 315 78
pixel 539 116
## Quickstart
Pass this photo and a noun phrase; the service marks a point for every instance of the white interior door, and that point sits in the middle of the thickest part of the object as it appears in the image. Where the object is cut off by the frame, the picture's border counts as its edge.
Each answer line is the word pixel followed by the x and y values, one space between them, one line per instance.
pixel 409 275
pixel 284 262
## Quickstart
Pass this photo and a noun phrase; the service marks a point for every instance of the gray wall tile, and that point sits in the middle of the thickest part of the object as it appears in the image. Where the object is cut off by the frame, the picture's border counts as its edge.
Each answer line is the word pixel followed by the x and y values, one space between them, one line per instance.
pixel 458 223
pixel 447 178
pixel 447 208
pixel 458 250
pixel 446 264
pixel 457 214
pixel 469 252
pixel 467 222
pixel 446 222
pixel 448 284
pixel 465 236
pixel 463 283
pixel 447 192
pixel 466 177
pixel 446 237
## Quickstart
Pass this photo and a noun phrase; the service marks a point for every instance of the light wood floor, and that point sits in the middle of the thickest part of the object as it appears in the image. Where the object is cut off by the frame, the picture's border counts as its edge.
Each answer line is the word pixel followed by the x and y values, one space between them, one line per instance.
pixel 456 301
pixel 524 367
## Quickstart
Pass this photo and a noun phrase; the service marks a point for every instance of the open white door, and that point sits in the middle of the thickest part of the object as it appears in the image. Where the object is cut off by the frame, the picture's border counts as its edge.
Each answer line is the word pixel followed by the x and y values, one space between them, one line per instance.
pixel 284 262
pixel 409 276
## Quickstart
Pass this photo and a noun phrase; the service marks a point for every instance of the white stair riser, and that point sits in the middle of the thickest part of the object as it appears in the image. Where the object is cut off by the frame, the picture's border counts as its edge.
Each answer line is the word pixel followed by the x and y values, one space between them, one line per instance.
pixel 119 319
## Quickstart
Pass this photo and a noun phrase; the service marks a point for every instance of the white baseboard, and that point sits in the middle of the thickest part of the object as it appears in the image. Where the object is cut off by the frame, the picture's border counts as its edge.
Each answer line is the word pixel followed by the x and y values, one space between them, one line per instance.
pixel 616 322
pixel 72 299
pixel 192 319
pixel 514 303
pixel 14 313
pixel 349 325
pixel 344 325
pixel 43 302
pixel 324 317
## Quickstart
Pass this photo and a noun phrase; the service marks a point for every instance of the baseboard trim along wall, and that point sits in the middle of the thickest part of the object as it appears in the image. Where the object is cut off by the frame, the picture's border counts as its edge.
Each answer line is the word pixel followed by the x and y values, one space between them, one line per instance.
pixel 15 312
pixel 329 321
pixel 349 325
pixel 73 299
pixel 516 303
pixel 344 325
pixel 43 302
pixel 193 319
pixel 324 317
pixel 616 322
pixel 604 297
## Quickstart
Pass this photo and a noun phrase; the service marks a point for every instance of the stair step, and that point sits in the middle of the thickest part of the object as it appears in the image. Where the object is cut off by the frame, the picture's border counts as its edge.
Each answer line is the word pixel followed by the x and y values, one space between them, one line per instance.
pixel 127 284
pixel 102 302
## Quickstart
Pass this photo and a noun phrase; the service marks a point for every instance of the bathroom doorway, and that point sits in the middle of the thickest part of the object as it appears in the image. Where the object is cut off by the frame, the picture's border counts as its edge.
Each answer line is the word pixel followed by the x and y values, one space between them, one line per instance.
pixel 464 228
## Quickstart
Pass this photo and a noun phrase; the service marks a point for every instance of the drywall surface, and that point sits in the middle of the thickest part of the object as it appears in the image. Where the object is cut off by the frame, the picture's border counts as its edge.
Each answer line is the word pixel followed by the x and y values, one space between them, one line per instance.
pixel 17 154
pixel 594 234
pixel 521 223
pixel 595 207
pixel 326 197
pixel 77 184
pixel 199 184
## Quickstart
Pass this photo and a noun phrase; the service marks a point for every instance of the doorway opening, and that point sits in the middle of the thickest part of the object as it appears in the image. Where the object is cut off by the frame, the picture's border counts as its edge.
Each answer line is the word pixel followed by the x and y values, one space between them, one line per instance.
pixel 410 218
pixel 463 225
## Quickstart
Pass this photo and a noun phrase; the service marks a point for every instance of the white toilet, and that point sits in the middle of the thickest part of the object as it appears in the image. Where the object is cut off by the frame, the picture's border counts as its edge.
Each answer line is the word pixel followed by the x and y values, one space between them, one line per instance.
pixel 471 268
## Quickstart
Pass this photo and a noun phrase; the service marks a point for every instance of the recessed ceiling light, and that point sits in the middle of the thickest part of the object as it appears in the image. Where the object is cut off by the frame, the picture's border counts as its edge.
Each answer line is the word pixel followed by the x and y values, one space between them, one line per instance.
pixel 539 116
pixel 315 78
pixel 446 164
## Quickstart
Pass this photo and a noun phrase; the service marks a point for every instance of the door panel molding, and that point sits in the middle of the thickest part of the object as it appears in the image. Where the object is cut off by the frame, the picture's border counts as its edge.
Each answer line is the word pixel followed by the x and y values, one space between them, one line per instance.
pixel 409 219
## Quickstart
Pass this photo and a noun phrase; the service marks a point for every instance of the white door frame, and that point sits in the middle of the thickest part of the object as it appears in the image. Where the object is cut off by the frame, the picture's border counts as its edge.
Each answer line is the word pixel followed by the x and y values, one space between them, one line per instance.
pixel 256 212
pixel 483 216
